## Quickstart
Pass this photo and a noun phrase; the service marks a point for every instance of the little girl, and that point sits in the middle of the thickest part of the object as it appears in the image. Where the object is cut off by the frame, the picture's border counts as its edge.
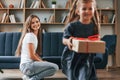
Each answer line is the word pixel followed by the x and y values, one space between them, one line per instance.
pixel 83 21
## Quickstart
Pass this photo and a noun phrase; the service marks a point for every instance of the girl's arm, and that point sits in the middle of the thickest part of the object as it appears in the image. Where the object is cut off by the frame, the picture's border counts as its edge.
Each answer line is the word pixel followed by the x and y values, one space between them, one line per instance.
pixel 33 55
pixel 68 42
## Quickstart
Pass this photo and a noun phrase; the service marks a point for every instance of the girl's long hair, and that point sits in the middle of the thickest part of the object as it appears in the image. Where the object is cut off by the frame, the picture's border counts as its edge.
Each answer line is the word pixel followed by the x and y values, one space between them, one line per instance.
pixel 27 29
pixel 73 16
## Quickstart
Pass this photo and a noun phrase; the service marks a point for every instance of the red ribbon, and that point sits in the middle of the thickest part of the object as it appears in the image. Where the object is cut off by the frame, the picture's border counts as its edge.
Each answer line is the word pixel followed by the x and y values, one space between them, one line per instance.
pixel 92 38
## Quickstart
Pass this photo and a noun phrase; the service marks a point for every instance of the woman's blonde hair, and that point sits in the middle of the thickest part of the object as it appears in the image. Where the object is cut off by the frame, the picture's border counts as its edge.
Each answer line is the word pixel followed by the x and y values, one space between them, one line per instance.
pixel 26 29
pixel 73 16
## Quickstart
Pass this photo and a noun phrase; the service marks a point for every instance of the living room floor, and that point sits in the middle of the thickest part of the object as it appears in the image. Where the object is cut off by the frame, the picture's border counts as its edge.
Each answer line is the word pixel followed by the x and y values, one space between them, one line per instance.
pixel 103 74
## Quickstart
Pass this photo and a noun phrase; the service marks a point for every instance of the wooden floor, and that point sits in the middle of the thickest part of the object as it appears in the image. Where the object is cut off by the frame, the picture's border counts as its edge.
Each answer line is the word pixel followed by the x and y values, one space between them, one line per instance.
pixel 15 74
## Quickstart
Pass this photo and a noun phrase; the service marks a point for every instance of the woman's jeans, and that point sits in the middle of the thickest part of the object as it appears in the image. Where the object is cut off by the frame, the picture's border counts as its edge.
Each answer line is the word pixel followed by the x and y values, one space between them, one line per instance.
pixel 38 70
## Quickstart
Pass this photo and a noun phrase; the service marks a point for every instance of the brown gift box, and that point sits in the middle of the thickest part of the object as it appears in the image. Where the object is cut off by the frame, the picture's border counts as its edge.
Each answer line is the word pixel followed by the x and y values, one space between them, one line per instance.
pixel 88 46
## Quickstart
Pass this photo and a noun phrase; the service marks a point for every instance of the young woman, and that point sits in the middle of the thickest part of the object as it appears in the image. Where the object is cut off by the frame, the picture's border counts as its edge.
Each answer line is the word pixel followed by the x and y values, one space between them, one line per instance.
pixel 31 65
pixel 83 21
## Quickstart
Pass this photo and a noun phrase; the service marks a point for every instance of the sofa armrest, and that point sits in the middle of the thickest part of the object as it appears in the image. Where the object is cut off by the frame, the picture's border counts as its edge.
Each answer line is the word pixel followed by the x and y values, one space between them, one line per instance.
pixel 9 59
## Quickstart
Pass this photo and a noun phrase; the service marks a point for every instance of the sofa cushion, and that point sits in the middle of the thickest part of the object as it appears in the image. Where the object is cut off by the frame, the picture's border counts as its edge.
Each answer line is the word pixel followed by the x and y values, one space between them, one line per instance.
pixel 16 38
pixel 8 43
pixel 52 44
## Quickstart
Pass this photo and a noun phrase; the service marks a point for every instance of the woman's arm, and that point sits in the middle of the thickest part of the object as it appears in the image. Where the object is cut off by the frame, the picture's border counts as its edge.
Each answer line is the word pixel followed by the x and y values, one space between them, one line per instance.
pixel 33 55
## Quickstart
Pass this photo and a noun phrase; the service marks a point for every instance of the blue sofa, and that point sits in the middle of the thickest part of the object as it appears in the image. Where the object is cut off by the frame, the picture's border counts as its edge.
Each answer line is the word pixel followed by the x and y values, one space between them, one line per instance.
pixel 52 48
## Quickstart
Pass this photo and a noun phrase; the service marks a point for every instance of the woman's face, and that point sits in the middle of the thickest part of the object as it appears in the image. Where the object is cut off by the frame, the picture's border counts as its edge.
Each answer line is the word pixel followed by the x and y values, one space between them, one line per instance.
pixel 35 24
pixel 86 11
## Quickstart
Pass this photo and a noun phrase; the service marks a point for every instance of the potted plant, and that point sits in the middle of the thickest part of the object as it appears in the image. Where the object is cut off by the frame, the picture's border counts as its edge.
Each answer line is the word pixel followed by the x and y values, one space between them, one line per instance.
pixel 53 3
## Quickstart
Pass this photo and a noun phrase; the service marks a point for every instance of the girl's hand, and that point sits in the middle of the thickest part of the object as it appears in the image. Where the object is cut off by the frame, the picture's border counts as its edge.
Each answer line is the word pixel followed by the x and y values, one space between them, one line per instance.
pixel 69 43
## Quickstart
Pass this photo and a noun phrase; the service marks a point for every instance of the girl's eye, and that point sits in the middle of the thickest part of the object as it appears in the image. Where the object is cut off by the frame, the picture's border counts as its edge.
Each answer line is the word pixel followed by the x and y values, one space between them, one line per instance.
pixel 90 8
pixel 32 22
pixel 37 21
pixel 84 9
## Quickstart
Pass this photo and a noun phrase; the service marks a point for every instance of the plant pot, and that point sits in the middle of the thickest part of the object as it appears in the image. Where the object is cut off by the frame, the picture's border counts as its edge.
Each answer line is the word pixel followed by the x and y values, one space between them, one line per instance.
pixel 53 5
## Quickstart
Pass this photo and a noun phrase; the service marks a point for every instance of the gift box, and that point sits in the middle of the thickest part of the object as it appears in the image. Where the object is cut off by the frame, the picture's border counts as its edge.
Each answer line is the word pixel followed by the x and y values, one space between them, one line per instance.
pixel 88 46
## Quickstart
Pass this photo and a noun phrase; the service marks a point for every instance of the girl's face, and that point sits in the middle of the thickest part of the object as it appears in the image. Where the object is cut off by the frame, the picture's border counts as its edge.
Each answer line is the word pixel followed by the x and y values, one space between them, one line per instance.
pixel 86 11
pixel 35 24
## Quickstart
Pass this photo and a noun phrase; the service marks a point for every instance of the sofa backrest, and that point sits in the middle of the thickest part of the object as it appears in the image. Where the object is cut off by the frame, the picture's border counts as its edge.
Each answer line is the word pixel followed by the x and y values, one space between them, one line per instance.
pixel 8 43
pixel 52 44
